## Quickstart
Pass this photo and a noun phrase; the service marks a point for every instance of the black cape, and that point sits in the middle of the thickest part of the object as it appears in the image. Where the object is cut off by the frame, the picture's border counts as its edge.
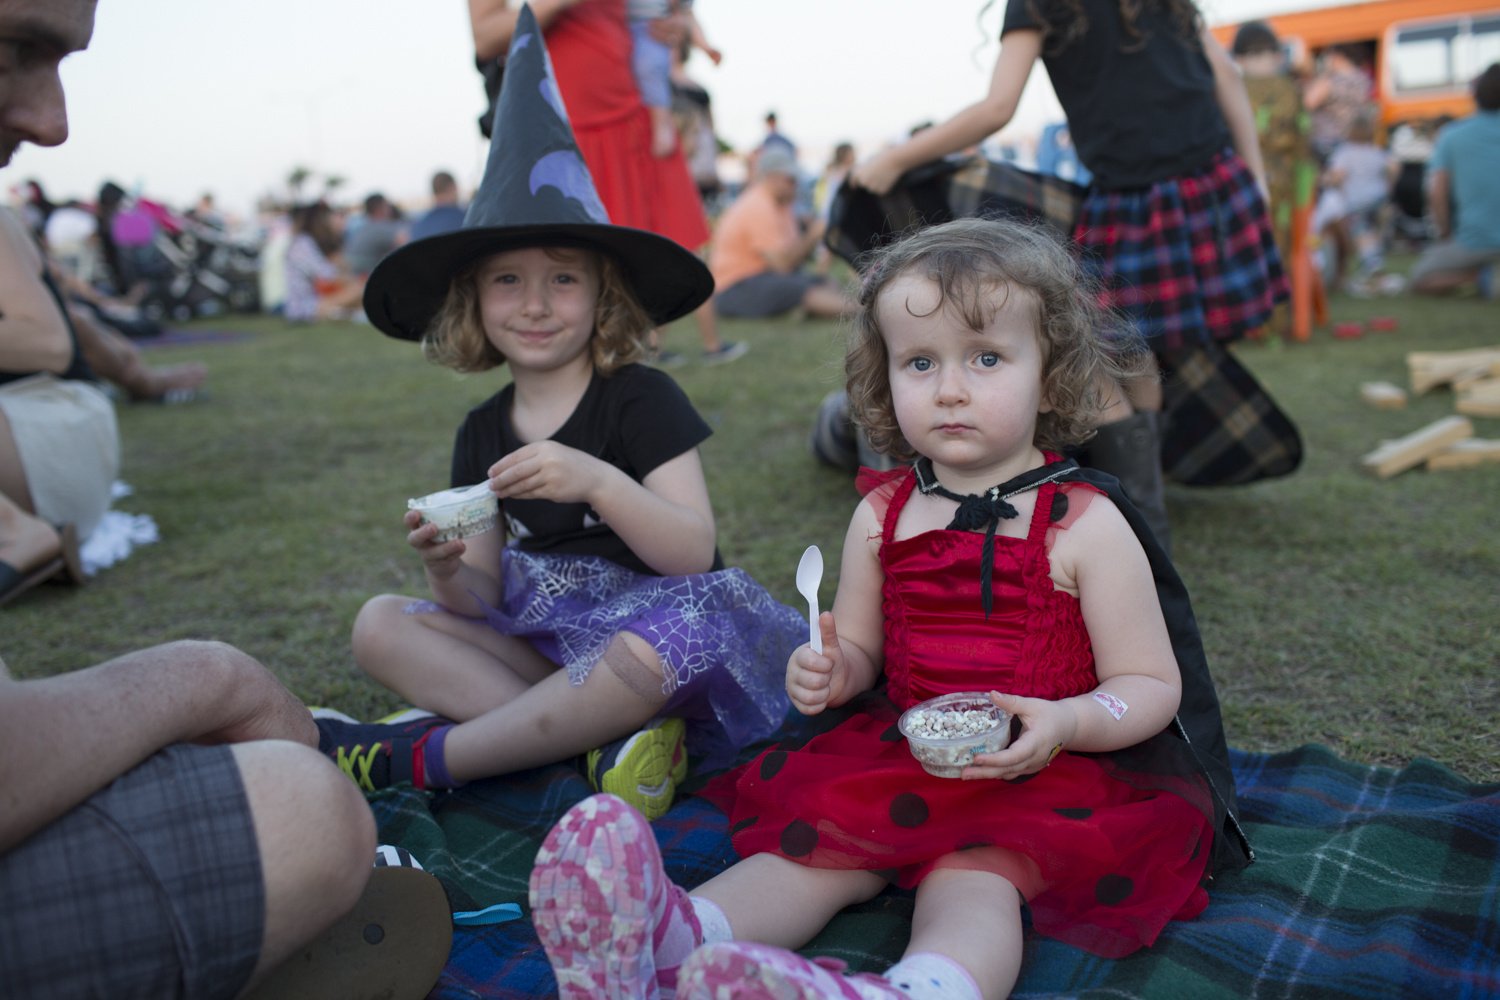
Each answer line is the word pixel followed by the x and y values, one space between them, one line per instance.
pixel 1198 723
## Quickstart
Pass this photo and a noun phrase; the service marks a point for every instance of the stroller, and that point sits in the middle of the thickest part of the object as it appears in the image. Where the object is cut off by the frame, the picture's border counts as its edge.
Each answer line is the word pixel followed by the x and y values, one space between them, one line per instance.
pixel 185 268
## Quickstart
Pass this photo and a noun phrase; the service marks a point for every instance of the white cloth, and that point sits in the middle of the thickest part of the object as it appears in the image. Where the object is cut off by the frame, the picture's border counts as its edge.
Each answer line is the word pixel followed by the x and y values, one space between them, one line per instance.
pixel 117 535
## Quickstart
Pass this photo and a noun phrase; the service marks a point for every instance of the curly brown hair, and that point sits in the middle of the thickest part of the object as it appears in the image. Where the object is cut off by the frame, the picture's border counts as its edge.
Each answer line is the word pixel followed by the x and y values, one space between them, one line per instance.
pixel 456 337
pixel 1087 353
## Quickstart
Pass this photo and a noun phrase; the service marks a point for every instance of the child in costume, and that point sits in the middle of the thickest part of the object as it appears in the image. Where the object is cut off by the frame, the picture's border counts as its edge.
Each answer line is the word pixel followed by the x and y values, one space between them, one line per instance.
pixel 1174 223
pixel 977 353
pixel 651 61
pixel 608 611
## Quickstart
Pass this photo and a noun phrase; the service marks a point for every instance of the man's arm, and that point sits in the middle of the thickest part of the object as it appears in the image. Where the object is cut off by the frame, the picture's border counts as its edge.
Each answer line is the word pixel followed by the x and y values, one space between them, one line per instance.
pixel 33 337
pixel 789 257
pixel 1439 191
pixel 63 738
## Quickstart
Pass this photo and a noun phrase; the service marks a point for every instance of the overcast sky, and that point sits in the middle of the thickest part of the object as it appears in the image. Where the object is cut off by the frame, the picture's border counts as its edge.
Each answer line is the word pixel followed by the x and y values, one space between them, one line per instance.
pixel 178 97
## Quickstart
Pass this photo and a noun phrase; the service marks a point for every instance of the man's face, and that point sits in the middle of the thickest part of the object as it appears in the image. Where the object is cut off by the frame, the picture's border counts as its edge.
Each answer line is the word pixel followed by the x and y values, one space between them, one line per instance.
pixel 35 36
pixel 783 187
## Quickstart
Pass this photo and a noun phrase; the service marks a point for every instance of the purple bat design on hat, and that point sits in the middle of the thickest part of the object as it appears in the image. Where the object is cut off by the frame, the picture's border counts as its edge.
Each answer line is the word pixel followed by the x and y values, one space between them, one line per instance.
pixel 564 170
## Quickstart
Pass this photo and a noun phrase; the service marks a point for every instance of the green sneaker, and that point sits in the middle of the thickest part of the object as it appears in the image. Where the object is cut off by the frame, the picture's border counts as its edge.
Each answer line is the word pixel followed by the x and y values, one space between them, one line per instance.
pixel 644 768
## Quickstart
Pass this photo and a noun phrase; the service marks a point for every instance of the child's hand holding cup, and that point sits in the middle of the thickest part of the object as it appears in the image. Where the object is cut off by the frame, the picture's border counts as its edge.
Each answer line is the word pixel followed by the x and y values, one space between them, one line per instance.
pixel 458 513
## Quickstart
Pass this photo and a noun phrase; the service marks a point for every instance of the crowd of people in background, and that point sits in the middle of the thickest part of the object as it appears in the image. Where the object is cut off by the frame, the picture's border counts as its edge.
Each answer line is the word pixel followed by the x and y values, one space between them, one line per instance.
pixel 1359 185
pixel 1364 188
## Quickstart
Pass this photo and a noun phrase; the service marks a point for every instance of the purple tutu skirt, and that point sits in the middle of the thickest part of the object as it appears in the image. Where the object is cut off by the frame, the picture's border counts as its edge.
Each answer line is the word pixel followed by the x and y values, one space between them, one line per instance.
pixel 723 640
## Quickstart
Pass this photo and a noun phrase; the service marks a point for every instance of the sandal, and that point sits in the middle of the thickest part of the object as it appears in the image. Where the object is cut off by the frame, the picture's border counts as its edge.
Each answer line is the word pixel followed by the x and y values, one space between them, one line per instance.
pixel 391 946
pixel 66 566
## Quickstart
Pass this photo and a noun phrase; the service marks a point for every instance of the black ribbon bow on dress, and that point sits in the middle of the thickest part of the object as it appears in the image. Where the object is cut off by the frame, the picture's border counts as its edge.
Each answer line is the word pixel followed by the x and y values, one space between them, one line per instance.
pixel 986 510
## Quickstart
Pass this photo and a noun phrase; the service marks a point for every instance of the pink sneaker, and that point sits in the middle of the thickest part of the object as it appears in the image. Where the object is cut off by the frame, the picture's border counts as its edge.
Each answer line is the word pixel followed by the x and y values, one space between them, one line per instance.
pixel 600 899
pixel 746 971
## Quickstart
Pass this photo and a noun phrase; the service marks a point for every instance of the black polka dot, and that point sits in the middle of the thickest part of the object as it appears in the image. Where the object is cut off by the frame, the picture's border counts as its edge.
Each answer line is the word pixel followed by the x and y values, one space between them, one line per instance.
pixel 744 824
pixel 1021 779
pixel 892 735
pixel 1059 505
pixel 771 764
pixel 1072 813
pixel 1112 890
pixel 798 839
pixel 908 810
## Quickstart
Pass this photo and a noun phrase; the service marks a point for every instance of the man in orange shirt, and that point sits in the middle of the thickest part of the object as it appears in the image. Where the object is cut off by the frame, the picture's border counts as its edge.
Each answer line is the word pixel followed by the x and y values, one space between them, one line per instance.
pixel 759 248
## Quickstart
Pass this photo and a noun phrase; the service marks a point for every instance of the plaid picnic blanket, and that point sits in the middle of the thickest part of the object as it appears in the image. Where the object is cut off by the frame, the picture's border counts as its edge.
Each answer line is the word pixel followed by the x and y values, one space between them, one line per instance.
pixel 1369 882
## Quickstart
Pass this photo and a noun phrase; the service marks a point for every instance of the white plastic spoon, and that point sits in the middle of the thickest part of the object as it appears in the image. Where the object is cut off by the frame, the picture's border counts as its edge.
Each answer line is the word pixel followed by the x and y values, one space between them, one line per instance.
pixel 809 575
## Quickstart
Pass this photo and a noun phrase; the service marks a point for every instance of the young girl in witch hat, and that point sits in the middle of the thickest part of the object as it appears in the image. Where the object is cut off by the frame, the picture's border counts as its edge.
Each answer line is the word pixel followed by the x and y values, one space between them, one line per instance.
pixel 1174 223
pixel 988 564
pixel 608 613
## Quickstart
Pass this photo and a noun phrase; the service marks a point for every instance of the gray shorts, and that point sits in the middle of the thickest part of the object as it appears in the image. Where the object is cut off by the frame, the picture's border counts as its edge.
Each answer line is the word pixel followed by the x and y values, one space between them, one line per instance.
pixel 764 295
pixel 152 887
pixel 1449 256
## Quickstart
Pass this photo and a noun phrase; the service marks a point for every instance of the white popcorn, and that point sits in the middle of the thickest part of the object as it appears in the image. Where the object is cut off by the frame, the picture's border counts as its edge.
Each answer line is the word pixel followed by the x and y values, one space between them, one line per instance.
pixel 946 733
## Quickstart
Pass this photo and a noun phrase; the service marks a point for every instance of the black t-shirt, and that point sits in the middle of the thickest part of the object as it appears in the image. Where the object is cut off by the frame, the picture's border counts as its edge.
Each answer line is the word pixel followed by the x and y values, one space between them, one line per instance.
pixel 1138 116
pixel 636 420
pixel 78 369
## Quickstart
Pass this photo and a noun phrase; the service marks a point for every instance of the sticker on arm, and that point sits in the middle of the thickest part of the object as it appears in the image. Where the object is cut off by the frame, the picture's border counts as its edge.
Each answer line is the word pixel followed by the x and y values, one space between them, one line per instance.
pixel 1114 706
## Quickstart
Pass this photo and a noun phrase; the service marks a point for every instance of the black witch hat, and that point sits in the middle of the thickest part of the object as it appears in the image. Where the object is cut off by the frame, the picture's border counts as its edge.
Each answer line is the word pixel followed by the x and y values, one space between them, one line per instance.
pixel 536 192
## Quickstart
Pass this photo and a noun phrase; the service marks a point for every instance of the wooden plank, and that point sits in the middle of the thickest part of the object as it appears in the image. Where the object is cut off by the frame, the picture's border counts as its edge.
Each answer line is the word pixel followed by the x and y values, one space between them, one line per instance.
pixel 1404 453
pixel 1478 407
pixel 1430 369
pixel 1466 454
pixel 1478 378
pixel 1383 395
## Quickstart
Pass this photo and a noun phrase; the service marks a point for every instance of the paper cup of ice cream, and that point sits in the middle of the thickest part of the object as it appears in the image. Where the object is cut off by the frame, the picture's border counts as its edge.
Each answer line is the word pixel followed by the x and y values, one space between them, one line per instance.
pixel 947 732
pixel 458 513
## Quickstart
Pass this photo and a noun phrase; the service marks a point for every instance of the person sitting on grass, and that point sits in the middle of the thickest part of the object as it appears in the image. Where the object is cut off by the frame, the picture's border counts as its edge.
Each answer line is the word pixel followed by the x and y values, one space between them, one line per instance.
pixel 759 250
pixel 606 626
pixel 978 353
pixel 1464 199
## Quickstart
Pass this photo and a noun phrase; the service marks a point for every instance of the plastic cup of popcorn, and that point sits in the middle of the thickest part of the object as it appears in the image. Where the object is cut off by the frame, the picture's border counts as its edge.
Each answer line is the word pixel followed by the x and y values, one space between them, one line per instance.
pixel 945 733
pixel 458 513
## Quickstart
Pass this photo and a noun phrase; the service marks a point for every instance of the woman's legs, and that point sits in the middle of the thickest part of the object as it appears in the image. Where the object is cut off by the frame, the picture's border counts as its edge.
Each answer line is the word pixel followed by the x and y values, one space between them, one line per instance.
pixel 1128 447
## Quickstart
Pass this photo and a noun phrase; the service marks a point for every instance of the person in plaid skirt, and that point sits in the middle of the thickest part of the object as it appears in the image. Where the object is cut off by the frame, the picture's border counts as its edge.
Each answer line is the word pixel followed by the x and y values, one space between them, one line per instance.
pixel 1174 225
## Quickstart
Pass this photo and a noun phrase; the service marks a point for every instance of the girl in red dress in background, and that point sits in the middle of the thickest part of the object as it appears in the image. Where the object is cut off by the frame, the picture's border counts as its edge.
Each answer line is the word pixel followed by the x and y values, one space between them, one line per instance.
pixel 590 45
pixel 977 353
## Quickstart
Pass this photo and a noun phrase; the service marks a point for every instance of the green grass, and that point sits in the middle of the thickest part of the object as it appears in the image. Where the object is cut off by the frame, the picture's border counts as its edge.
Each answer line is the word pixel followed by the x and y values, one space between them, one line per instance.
pixel 1336 608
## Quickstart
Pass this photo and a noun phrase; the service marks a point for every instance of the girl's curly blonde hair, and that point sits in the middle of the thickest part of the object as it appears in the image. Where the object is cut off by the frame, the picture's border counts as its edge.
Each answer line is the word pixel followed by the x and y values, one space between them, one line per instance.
pixel 456 337
pixel 976 264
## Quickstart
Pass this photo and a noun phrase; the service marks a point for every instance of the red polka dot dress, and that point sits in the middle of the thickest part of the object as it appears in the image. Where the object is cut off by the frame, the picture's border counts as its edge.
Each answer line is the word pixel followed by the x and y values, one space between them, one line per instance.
pixel 1105 857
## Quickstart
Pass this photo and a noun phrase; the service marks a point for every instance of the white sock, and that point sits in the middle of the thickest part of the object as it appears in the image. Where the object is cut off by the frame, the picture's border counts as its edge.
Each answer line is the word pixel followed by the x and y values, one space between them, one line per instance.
pixel 711 920
pixel 930 976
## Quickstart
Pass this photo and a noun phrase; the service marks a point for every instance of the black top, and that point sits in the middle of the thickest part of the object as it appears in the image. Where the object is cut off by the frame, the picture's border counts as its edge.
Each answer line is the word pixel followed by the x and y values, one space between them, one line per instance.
pixel 1139 116
pixel 78 369
pixel 636 420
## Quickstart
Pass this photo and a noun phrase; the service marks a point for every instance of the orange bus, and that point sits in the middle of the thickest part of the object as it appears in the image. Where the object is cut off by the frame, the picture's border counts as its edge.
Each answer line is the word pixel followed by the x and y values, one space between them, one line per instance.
pixel 1424 53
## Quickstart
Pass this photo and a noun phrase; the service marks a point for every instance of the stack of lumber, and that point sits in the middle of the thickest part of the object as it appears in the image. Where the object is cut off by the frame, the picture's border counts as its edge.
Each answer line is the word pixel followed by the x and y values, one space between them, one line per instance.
pixel 1449 443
